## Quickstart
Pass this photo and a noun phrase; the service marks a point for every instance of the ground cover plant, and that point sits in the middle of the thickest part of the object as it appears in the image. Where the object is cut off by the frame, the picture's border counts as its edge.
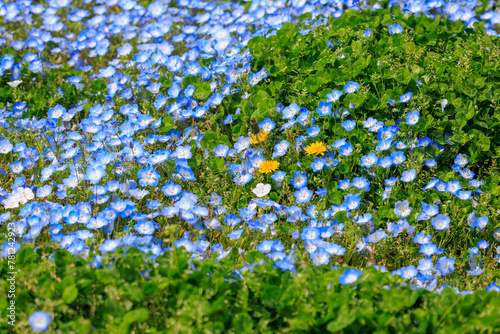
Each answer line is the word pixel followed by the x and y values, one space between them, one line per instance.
pixel 192 166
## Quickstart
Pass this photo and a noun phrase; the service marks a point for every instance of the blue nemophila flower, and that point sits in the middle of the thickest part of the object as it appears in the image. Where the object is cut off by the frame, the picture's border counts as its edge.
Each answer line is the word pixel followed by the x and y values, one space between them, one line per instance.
pixel 395 29
pixel 405 97
pixel 483 244
pixel 464 195
pixel 429 249
pixel 333 96
pixel 40 321
pixel 441 186
pixel 56 112
pixel 496 236
pixel 290 111
pixel 144 227
pixel 5 146
pixel 279 107
pixel 402 225
pixel 428 211
pixel 232 219
pixel 265 246
pixel 280 148
pixel 44 191
pixel 321 192
pixel 221 150
pixel 310 233
pixel 235 235
pixel 344 184
pixel 412 118
pixel 400 145
pixel 453 186
pixel 445 265
pixel 425 266
pixel 333 248
pixel 407 272
pixel 7 62
pixel 320 257
pixel 383 145
pixel 364 219
pixel 441 222
pixel 242 144
pixel 313 131
pixel 398 158
pixel 386 133
pixel 421 238
pixel 431 163
pixel 299 180
pixel 369 160
pixel 367 33
pixel 402 209
pixel 352 201
pixel 493 287
pixel 376 236
pixel 278 177
pixel 349 276
pixel 467 174
pixel 109 245
pixel 153 205
pixel 303 195
pixel 285 265
pixel 461 160
pixel 330 160
pixel 479 222
pixel 94 173
pixel 361 183
pixel 148 177
pixel 35 65
pixel 303 117
pixel 324 109
pixel 154 87
pixel 385 162
pixel 424 142
pixel 16 167
pixel 431 184
pixel 348 125
pixel 318 164
pixel 346 150
pixel 409 176
pixel 351 87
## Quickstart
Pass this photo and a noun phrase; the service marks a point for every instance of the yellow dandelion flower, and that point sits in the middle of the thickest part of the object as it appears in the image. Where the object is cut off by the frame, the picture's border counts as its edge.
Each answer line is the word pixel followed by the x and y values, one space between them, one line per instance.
pixel 316 148
pixel 268 166
pixel 258 138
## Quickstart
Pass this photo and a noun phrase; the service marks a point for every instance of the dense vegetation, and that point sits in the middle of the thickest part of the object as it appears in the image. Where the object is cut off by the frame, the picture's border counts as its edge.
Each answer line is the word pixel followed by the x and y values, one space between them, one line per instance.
pixel 240 167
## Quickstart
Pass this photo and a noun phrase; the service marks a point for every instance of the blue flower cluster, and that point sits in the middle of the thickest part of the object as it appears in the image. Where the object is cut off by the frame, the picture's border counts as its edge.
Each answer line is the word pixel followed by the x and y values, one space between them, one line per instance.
pixel 107 171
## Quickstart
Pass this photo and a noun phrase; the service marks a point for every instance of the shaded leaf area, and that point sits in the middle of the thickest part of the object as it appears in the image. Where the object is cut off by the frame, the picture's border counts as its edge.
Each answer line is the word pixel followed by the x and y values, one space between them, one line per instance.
pixel 175 294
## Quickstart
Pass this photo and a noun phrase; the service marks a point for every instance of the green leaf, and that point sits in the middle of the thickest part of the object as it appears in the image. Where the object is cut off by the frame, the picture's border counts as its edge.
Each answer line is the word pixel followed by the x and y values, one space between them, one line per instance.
pixel 149 288
pixel 202 91
pixel 139 315
pixel 167 124
pixel 346 316
pixel 69 294
pixel 264 105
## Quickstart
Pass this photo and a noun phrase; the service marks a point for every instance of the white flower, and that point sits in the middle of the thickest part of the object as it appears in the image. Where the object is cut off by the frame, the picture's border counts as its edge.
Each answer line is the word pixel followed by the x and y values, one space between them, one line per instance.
pixel 262 189
pixel 11 202
pixel 15 83
pixel 253 206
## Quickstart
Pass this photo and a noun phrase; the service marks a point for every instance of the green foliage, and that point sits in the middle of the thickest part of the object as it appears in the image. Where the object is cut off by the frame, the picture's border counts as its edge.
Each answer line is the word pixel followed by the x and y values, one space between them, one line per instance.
pixel 172 296
pixel 452 63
